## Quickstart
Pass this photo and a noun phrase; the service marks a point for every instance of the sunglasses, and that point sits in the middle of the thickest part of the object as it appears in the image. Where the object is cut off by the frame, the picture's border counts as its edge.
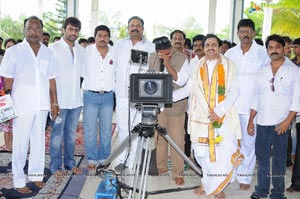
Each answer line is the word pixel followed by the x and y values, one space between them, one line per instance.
pixel 272 84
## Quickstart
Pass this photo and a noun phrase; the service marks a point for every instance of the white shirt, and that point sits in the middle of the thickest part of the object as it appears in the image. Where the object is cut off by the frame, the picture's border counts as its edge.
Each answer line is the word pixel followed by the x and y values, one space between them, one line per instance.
pixel 194 63
pixel 69 69
pixel 31 75
pixel 221 108
pixel 123 67
pixel 274 107
pixel 248 65
pixel 99 74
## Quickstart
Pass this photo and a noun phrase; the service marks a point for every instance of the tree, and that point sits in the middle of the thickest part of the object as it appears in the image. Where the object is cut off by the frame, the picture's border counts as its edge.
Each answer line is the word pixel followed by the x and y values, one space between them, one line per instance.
pixel 286 18
pixel 11 28
pixel 53 22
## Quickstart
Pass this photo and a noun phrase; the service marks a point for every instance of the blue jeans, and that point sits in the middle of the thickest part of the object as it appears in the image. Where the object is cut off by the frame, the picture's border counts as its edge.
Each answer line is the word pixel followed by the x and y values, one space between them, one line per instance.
pixel 265 138
pixel 97 115
pixel 64 129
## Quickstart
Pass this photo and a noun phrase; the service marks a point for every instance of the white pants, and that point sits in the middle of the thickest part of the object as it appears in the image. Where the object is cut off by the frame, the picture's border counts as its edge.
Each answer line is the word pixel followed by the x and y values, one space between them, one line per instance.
pixel 122 122
pixel 29 127
pixel 245 170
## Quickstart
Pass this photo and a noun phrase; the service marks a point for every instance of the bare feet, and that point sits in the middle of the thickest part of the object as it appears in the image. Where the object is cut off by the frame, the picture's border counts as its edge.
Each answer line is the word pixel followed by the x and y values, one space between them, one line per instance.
pixel 220 195
pixel 77 171
pixel 161 171
pixel 23 190
pixel 91 167
pixel 59 174
pixel 199 191
pixel 179 181
pixel 244 186
pixel 39 184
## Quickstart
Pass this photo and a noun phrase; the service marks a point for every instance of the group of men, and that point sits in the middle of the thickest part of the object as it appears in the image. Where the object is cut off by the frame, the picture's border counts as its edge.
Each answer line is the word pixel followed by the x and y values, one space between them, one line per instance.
pixel 240 103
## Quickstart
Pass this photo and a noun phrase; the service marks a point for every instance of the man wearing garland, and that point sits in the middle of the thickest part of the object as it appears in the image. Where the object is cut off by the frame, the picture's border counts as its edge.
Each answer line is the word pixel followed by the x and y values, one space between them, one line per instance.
pixel 213 122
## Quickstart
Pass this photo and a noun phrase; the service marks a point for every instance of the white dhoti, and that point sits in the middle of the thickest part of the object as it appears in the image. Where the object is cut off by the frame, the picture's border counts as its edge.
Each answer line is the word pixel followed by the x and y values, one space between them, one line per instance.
pixel 29 127
pixel 217 175
pixel 244 172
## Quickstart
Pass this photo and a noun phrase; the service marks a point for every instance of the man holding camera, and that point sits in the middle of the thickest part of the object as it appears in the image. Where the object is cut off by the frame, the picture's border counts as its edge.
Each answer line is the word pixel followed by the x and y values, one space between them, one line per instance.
pixel 124 67
pixel 168 60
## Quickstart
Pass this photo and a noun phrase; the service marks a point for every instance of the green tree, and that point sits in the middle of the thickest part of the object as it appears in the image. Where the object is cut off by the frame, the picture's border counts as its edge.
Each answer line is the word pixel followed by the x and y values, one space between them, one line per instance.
pixel 286 17
pixel 11 28
pixel 257 17
pixel 53 22
pixel 191 27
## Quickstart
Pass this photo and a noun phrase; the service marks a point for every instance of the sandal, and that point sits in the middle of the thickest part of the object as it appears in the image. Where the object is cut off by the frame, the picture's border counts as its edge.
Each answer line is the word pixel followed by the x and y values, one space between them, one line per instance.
pixel 254 196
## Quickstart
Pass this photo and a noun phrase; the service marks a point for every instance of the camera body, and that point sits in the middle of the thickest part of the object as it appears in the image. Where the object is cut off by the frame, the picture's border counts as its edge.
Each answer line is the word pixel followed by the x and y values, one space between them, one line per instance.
pixel 151 88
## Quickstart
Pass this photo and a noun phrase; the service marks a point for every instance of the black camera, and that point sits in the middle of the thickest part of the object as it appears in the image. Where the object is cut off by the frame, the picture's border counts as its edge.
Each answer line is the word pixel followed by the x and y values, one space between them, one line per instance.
pixel 151 88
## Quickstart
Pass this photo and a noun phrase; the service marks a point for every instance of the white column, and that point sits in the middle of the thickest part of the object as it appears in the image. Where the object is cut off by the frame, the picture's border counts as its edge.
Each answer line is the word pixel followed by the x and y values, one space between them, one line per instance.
pixel 212 16
pixel 94 16
pixel 267 24
pixel 236 14
pixel 73 6
pixel 40 9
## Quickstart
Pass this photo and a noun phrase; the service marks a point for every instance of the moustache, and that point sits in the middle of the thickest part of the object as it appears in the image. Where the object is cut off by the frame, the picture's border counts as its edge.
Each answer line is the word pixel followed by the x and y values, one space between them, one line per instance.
pixel 178 43
pixel 246 37
pixel 198 50
pixel 274 54
pixel 135 30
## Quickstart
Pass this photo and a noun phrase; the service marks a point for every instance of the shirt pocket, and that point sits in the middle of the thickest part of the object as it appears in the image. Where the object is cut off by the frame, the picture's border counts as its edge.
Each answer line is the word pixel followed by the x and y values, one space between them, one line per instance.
pixel 43 66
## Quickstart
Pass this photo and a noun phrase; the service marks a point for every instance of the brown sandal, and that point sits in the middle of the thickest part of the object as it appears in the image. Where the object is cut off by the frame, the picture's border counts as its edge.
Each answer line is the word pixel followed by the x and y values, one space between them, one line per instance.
pixel 24 190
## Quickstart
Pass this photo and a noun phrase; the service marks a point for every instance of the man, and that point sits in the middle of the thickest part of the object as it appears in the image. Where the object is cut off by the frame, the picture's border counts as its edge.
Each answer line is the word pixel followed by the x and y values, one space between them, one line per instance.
pixel 194 62
pixel 45 39
pixel 29 66
pixel 197 50
pixel 295 186
pixel 296 51
pixel 287 52
pixel 70 60
pixel 226 45
pixel 83 42
pixel 288 46
pixel 249 57
pixel 123 68
pixel 275 103
pixel 213 122
pixel 177 40
pixel 98 86
pixel 171 118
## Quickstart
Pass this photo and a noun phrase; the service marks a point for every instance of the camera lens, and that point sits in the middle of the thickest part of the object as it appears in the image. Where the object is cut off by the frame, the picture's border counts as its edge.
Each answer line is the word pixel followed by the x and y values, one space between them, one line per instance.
pixel 150 87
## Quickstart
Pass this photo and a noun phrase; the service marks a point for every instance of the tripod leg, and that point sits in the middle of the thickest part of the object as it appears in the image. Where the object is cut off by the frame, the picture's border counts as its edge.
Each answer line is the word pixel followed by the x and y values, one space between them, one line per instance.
pixel 119 150
pixel 136 167
pixel 181 153
pixel 148 159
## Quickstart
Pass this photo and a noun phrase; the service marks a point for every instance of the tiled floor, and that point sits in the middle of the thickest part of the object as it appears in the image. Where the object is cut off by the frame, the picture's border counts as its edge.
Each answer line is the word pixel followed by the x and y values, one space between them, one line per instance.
pixel 156 183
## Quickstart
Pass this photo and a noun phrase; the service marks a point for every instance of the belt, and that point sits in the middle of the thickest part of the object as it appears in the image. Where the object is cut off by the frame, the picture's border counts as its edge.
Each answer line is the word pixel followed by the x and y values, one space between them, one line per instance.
pixel 99 92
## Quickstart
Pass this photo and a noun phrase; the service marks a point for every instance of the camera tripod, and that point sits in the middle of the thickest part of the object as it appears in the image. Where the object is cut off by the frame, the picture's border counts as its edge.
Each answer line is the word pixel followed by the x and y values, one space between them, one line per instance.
pixel 144 131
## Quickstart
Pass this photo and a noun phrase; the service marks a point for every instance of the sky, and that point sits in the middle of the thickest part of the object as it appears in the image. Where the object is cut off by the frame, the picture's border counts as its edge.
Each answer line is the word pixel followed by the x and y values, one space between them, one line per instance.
pixel 166 12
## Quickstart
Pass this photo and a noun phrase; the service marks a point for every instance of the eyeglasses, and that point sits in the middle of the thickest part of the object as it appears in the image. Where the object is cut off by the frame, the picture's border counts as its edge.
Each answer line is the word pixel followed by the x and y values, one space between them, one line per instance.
pixel 33 29
pixel 245 31
pixel 272 84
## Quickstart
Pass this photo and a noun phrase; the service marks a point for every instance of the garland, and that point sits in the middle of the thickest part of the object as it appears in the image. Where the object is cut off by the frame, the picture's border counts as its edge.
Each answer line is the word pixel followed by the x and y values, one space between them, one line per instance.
pixel 221 90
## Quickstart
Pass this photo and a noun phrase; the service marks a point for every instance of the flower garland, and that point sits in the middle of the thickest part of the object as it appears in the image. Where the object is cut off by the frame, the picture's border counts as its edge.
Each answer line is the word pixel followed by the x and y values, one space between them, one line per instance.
pixel 221 93
pixel 221 90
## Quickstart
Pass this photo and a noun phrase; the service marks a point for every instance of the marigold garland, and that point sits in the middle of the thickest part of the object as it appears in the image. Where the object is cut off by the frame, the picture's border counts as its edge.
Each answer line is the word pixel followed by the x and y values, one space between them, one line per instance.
pixel 221 90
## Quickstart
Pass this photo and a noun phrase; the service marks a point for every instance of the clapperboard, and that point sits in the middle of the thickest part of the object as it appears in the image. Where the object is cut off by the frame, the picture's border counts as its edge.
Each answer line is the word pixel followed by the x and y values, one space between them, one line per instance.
pixel 7 108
